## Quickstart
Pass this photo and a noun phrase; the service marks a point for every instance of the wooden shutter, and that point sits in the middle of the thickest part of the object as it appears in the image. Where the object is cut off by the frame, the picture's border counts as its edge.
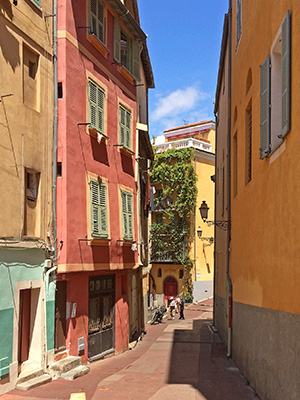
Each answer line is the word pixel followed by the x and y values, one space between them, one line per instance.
pixel 127 215
pixel 285 75
pixel 103 210
pixel 130 216
pixel 117 41
pixel 95 206
pixel 92 104
pixel 136 60
pixel 96 107
pixel 265 108
pixel 124 215
pixel 127 129
pixel 98 208
pixel 97 20
pixel 122 128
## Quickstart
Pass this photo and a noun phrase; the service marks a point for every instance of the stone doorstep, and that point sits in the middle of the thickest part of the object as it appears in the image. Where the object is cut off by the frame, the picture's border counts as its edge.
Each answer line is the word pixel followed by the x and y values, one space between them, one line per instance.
pixel 64 365
pixel 75 373
pixel 29 374
pixel 34 382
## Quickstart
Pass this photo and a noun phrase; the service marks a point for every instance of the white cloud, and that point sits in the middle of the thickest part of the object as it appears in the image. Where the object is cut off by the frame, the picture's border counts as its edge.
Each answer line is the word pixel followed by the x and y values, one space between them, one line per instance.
pixel 178 102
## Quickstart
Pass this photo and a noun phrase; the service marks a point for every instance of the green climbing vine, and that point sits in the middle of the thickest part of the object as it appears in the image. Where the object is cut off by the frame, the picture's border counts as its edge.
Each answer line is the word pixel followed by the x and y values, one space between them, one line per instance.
pixel 174 177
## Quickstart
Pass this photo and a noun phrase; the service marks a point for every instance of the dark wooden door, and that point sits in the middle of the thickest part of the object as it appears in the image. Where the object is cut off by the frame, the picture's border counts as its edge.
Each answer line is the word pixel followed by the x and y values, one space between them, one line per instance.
pixel 170 287
pixel 24 325
pixel 60 315
pixel 101 337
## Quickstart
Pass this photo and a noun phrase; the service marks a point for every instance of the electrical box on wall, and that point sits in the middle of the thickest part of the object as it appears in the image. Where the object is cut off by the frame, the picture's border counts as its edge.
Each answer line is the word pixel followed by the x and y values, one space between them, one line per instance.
pixel 80 345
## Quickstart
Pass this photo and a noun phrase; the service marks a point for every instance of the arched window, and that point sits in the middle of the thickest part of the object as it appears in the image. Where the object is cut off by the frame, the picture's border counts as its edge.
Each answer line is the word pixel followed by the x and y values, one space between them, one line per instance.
pixel 159 273
pixel 181 273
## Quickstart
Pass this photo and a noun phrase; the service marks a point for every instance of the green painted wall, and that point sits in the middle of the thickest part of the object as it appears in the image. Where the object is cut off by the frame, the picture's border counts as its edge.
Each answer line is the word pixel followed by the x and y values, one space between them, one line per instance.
pixel 18 265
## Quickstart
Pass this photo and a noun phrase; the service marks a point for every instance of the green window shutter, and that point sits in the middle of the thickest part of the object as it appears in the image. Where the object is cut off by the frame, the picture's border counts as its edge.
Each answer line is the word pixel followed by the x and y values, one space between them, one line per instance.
pixel 130 216
pixel 124 215
pixel 103 210
pixel 95 207
pixel 122 127
pixel 265 108
pixel 136 60
pixel 127 216
pixel 96 107
pixel 98 198
pixel 128 129
pixel 117 41
pixel 97 20
pixel 285 74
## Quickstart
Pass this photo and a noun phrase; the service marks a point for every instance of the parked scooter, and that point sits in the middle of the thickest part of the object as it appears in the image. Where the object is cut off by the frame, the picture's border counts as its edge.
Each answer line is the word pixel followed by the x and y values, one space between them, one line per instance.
pixel 158 315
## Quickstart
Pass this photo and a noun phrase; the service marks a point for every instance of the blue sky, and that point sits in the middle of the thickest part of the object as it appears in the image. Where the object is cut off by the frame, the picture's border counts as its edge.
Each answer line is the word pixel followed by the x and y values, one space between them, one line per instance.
pixel 184 41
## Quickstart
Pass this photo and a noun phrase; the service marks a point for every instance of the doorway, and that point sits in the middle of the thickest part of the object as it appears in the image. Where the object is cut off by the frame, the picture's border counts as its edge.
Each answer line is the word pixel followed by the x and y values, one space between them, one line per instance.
pixel 24 326
pixel 170 287
pixel 60 316
pixel 101 326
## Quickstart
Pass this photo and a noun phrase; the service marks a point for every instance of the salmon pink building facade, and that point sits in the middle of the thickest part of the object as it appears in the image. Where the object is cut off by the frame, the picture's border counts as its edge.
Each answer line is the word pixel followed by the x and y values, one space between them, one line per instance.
pixel 99 53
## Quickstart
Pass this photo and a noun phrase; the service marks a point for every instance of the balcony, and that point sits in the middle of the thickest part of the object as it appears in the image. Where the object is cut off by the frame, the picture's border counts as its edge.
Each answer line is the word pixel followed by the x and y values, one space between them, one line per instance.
pixel 183 144
pixel 164 250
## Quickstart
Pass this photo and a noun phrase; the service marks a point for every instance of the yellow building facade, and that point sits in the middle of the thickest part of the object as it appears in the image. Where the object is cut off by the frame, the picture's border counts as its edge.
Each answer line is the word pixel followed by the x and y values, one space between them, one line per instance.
pixel 168 278
pixel 259 117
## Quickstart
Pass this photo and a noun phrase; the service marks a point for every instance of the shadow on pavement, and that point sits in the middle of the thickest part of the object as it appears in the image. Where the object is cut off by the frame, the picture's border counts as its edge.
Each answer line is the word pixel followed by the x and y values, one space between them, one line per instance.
pixel 198 358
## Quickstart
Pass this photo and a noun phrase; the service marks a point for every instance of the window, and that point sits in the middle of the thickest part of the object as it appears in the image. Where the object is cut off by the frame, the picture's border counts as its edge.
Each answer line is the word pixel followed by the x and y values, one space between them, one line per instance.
pixel 30 78
pixel 125 127
pixel 97 19
pixel 248 144
pixel 127 216
pixel 98 201
pixel 60 90
pixel 238 20
pixel 32 181
pixel 181 273
pixel 126 51
pixel 275 92
pixel 159 273
pixel 37 2
pixel 96 107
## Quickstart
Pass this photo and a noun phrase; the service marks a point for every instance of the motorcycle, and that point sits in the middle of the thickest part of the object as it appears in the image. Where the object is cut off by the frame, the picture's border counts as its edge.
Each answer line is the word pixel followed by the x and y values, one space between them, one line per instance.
pixel 158 315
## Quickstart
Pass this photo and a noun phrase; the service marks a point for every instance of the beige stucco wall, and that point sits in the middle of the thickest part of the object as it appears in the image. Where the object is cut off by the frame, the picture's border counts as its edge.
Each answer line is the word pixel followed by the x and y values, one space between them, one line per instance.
pixel 26 126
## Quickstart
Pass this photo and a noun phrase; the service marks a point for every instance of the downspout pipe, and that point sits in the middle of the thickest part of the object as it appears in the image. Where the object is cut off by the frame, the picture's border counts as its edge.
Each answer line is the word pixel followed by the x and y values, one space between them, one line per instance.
pixel 229 282
pixel 54 169
pixel 215 218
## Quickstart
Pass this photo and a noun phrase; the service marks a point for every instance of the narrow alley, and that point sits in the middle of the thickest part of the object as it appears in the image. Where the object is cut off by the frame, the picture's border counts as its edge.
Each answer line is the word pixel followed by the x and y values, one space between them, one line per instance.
pixel 176 359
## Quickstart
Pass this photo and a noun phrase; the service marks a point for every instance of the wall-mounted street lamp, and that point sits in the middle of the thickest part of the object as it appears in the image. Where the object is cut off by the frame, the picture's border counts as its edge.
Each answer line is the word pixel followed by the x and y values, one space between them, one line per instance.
pixel 225 225
pixel 207 239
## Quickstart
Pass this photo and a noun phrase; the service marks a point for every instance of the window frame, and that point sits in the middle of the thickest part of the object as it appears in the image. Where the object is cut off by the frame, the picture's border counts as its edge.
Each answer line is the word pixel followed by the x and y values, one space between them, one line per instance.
pixel 101 209
pixel 127 214
pixel 99 110
pixel 275 102
pixel 126 141
pixel 98 21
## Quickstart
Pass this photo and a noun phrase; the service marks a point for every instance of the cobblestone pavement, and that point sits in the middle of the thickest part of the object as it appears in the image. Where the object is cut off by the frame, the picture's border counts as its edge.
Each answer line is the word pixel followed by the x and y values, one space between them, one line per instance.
pixel 178 359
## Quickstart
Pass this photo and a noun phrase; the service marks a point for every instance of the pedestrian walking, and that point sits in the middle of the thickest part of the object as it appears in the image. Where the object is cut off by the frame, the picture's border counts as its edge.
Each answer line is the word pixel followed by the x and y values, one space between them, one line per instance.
pixel 172 307
pixel 181 308
pixel 177 304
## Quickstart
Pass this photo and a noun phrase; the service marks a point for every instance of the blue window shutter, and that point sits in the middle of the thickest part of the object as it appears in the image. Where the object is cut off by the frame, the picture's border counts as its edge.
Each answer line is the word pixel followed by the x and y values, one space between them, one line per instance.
pixel 285 74
pixel 265 108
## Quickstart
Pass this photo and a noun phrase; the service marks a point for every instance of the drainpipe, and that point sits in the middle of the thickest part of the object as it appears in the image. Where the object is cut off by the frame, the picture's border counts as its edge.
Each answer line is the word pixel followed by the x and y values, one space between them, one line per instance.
pixel 229 183
pixel 54 171
pixel 215 218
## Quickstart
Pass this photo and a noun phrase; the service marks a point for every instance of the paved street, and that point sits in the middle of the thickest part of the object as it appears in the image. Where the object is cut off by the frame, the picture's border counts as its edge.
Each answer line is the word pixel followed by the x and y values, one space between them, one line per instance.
pixel 180 359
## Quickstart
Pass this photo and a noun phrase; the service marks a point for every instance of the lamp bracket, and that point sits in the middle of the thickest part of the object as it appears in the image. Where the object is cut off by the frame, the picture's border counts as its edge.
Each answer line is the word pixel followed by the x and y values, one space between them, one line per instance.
pixel 225 225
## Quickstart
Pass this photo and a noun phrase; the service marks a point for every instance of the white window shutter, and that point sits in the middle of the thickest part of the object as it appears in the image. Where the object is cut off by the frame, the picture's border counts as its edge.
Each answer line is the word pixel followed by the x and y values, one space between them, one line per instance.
pixel 285 74
pixel 265 108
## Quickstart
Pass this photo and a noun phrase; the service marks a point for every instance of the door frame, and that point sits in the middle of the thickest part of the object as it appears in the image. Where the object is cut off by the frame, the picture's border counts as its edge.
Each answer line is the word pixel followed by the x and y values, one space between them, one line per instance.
pixel 37 349
pixel 163 288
